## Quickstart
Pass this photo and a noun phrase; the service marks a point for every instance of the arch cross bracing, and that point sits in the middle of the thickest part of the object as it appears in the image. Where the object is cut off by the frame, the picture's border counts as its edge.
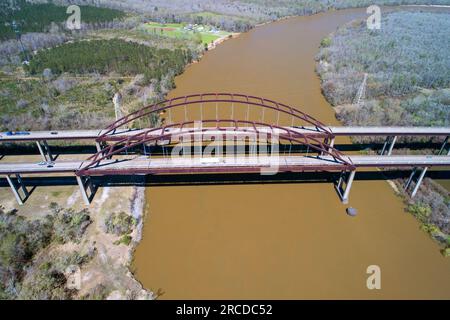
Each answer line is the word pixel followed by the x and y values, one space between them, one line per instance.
pixel 173 132
pixel 216 102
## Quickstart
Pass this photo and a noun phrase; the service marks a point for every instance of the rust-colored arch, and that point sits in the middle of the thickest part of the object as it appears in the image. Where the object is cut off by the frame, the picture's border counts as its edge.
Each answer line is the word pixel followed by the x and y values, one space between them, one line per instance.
pixel 243 126
pixel 232 98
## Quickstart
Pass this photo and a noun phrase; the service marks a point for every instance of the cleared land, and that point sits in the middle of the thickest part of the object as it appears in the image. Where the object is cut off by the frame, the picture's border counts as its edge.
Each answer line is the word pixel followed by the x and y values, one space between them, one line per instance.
pixel 202 33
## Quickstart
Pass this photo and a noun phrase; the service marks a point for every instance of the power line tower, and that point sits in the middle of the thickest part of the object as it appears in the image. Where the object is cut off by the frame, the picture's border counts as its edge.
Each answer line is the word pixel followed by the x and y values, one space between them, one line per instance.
pixel 361 92
pixel 16 30
pixel 117 101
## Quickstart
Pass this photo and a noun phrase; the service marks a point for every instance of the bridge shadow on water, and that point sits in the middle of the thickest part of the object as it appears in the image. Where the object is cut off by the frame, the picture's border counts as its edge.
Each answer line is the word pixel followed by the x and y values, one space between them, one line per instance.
pixel 222 179
pixel 30 149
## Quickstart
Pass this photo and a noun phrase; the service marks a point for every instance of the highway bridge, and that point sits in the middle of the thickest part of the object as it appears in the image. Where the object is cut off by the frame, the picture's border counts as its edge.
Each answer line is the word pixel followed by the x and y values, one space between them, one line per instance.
pixel 242 134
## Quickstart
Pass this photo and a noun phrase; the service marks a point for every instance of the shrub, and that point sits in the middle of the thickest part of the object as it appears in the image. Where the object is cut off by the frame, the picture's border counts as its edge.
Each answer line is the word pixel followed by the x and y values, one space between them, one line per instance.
pixel 69 225
pixel 125 239
pixel 48 281
pixel 326 42
pixel 120 223
pixel 99 292
pixel 20 240
pixel 420 210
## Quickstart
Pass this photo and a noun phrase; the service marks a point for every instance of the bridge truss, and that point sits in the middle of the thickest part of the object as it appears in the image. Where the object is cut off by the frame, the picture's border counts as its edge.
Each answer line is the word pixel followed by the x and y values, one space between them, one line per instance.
pixel 249 133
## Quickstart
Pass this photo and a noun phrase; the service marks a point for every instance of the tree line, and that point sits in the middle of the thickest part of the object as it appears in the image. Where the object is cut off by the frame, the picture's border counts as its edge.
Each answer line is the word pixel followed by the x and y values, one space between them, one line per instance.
pixel 105 56
pixel 410 52
pixel 237 15
pixel 31 17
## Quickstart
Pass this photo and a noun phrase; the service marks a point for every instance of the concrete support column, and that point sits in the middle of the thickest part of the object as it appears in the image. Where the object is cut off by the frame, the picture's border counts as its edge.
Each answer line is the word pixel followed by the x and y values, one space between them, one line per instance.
pixel 47 150
pixel 348 187
pixel 419 182
pixel 410 179
pixel 85 184
pixel 44 150
pixel 390 141
pixel 41 151
pixel 344 193
pixel 391 147
pixel 17 188
pixel 443 148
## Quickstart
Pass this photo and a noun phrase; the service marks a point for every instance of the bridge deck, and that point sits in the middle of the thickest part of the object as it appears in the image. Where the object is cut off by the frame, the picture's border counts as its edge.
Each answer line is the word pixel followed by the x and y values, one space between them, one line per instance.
pixel 144 165
pixel 391 131
pixel 338 131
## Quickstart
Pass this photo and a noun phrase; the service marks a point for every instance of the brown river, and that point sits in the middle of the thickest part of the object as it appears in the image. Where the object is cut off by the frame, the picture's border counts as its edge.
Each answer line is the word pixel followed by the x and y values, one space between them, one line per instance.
pixel 281 241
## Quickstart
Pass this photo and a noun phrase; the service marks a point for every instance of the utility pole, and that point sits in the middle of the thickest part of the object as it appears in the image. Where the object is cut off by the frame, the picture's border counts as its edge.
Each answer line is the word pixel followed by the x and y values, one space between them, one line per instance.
pixel 117 100
pixel 16 30
pixel 361 92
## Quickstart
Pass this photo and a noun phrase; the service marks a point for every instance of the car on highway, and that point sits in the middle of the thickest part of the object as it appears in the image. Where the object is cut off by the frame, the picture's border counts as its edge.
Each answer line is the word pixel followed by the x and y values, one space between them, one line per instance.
pixel 16 133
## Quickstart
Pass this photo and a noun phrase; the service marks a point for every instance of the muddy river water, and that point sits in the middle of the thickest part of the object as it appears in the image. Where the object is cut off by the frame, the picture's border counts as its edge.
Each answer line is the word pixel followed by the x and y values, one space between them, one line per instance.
pixel 281 240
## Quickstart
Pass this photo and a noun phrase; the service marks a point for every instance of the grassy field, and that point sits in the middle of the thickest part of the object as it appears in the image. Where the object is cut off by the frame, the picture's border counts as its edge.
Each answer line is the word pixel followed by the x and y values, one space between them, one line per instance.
pixel 202 33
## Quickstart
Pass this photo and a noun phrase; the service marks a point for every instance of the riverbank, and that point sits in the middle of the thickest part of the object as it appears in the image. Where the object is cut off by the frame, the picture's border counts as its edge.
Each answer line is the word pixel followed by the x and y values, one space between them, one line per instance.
pixel 217 42
pixel 401 90
pixel 103 261
pixel 104 268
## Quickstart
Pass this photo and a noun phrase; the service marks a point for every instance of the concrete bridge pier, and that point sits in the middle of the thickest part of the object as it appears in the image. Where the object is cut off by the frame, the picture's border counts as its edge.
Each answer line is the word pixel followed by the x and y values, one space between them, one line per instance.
pixel 418 180
pixel 87 188
pixel 344 193
pixel 19 189
pixel 44 150
pixel 388 145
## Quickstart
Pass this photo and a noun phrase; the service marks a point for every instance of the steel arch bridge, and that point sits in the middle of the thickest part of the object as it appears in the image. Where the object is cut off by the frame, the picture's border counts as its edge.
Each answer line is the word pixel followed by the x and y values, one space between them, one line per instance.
pixel 230 127
pixel 326 157
pixel 235 119
pixel 218 103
